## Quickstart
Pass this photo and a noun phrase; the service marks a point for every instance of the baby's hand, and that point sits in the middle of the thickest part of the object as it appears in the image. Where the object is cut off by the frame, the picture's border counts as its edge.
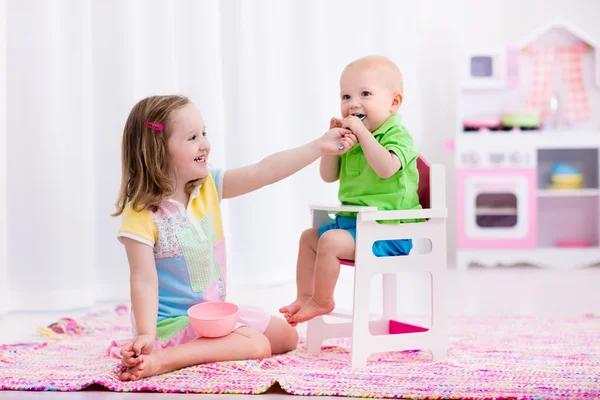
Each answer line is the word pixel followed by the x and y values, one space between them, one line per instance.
pixel 353 123
pixel 335 123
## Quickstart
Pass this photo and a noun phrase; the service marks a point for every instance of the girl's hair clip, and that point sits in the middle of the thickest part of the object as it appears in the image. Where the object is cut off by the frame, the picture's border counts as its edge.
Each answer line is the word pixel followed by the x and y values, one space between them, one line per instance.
pixel 154 125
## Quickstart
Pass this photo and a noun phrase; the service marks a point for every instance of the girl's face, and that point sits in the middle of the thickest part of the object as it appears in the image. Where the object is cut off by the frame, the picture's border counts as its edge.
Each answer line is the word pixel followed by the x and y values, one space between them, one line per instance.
pixel 187 147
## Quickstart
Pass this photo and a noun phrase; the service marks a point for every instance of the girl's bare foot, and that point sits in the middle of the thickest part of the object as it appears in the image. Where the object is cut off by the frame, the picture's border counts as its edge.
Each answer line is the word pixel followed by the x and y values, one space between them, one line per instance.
pixel 149 365
pixel 311 309
pixel 129 359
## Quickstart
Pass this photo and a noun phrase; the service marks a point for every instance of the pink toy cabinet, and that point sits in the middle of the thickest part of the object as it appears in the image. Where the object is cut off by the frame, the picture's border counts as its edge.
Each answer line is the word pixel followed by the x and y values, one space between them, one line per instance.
pixel 527 151
pixel 496 206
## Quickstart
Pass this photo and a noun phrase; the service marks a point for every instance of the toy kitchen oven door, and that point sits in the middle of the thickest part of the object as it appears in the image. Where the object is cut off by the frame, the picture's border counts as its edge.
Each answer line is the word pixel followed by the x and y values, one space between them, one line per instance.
pixel 496 208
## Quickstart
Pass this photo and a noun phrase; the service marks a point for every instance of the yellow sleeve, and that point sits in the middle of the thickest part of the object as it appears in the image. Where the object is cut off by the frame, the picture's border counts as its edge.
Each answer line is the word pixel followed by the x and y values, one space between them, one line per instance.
pixel 138 225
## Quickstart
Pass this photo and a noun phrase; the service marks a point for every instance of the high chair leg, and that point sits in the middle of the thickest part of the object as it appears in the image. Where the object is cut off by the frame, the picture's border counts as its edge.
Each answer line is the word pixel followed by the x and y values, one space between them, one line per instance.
pixel 361 337
pixel 315 334
pixel 439 353
pixel 390 296
pixel 359 357
pixel 439 314
pixel 318 330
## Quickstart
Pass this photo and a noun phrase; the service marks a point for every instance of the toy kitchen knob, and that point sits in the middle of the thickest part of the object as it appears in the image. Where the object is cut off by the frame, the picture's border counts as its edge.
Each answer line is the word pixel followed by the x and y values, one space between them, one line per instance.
pixel 516 158
pixel 496 158
pixel 470 159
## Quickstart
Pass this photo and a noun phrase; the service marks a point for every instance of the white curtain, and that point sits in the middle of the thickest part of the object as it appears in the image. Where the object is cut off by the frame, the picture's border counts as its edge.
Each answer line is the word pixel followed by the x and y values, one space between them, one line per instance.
pixel 264 74
pixel 3 259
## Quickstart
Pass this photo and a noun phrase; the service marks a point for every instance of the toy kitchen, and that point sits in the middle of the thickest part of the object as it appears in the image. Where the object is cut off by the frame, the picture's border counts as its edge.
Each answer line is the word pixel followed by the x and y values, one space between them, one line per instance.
pixel 527 152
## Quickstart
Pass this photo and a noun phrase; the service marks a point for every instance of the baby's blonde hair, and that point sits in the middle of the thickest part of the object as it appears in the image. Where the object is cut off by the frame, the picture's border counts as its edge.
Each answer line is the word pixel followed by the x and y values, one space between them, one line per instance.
pixel 145 180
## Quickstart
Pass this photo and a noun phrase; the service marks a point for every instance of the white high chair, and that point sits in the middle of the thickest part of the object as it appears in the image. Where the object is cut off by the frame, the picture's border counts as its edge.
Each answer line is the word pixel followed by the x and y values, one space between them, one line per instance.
pixel 389 334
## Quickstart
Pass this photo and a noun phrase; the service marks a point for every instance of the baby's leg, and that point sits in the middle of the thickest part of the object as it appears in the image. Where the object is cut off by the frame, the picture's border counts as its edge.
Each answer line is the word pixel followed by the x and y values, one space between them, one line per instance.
pixel 333 245
pixel 242 344
pixel 305 271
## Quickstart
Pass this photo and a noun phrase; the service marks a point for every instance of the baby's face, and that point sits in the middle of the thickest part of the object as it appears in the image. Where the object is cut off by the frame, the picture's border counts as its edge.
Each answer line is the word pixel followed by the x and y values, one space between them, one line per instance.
pixel 365 90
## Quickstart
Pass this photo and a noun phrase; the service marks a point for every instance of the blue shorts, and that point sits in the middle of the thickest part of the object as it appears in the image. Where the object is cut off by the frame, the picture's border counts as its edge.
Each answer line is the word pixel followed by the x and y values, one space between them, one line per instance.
pixel 381 248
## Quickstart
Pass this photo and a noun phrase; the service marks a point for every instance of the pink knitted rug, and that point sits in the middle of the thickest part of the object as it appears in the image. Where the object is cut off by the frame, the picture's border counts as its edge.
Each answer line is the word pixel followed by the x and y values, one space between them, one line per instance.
pixel 499 357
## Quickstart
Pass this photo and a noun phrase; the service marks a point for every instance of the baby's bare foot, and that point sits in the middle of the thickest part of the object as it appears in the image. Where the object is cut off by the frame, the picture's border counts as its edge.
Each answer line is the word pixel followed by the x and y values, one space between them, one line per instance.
pixel 312 309
pixel 149 365
pixel 291 309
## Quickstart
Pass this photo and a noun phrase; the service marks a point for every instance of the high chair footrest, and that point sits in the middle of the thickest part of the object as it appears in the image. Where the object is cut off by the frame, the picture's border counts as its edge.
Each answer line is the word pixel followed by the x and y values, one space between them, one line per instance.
pixel 347 314
pixel 397 327
pixel 341 314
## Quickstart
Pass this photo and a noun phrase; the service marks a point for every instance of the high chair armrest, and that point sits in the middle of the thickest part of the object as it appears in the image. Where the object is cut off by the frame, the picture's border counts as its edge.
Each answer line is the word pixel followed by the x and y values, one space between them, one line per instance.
pixel 426 213
pixel 340 208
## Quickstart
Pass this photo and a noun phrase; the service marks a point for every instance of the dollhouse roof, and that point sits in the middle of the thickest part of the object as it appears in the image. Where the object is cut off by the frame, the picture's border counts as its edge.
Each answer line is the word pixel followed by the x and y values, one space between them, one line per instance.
pixel 558 23
pixel 571 28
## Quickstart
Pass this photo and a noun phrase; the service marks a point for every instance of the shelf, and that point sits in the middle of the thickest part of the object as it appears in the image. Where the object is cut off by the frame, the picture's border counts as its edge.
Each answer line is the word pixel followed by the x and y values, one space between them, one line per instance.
pixel 568 192
pixel 559 258
pixel 539 139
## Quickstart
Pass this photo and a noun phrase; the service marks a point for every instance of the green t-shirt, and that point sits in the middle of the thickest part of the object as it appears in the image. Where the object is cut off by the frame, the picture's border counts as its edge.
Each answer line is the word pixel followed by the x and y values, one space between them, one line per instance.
pixel 361 186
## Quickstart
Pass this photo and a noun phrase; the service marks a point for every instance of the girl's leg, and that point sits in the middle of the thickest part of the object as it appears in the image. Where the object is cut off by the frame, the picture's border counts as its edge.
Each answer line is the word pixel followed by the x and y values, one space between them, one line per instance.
pixel 333 245
pixel 305 271
pixel 242 344
pixel 282 336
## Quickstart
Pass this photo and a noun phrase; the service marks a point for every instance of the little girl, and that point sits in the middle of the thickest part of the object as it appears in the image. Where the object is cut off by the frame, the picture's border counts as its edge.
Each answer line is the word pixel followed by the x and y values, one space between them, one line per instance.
pixel 173 235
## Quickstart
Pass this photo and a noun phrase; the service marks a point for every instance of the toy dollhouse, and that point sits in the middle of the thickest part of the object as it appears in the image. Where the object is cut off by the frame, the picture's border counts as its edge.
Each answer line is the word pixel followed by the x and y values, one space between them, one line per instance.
pixel 527 152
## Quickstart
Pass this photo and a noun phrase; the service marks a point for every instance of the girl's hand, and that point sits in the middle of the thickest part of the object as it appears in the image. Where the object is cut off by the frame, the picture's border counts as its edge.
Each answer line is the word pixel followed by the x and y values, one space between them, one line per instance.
pixel 328 143
pixel 348 141
pixel 142 344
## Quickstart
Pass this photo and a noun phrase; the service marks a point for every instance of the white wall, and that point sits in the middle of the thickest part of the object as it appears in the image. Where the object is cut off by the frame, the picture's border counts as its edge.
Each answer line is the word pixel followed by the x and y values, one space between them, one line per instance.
pixel 441 30
pixel 498 22
pixel 3 258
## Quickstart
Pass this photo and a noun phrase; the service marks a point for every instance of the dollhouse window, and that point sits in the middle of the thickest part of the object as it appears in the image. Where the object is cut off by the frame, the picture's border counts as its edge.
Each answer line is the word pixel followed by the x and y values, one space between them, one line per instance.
pixel 496 210
pixel 481 66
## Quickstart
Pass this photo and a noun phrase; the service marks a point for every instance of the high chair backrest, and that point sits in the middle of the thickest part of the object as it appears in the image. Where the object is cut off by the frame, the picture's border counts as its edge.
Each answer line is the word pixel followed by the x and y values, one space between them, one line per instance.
pixel 423 190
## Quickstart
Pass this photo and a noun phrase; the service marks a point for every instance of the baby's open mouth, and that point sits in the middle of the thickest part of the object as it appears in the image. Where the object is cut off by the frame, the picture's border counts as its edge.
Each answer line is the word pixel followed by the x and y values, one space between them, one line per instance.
pixel 360 116
pixel 200 159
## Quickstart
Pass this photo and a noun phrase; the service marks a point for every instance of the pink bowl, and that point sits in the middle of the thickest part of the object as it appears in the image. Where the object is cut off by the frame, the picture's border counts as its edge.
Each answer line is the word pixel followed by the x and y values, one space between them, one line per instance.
pixel 213 318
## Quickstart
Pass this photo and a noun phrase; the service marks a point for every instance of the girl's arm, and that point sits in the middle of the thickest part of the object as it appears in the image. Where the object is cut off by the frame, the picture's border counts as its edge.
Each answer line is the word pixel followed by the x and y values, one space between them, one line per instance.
pixel 239 181
pixel 144 286
pixel 330 165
